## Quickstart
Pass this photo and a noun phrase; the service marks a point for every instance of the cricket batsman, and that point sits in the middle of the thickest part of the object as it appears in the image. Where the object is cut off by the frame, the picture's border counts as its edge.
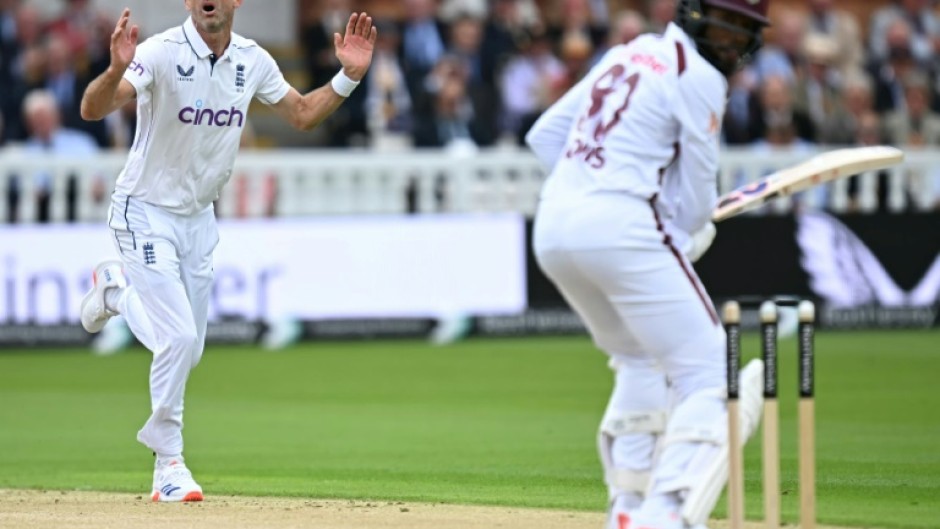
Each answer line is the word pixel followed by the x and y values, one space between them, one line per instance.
pixel 632 151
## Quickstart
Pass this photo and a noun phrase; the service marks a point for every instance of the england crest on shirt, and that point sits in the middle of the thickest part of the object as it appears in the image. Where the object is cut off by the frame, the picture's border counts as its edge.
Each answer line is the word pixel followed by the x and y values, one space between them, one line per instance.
pixel 240 77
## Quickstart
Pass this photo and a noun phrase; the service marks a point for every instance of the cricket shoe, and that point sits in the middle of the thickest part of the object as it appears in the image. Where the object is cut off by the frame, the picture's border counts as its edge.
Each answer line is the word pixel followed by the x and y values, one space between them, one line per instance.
pixel 618 512
pixel 637 520
pixel 632 520
pixel 95 314
pixel 174 482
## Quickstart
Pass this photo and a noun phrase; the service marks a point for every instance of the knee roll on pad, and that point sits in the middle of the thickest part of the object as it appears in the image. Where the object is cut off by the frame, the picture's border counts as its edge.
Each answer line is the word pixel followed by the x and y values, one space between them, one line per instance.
pixel 618 424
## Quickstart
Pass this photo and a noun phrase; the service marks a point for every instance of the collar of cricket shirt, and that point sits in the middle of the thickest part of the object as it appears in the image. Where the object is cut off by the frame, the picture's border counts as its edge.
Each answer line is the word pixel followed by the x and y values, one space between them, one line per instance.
pixel 199 46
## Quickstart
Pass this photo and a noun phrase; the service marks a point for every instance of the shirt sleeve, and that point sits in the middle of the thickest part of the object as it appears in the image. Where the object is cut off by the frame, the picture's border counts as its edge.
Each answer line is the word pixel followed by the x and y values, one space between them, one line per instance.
pixel 549 134
pixel 147 65
pixel 273 87
pixel 699 107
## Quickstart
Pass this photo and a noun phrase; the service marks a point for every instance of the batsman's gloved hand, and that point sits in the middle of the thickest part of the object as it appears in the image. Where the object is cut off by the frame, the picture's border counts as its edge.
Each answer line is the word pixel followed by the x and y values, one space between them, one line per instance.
pixel 701 241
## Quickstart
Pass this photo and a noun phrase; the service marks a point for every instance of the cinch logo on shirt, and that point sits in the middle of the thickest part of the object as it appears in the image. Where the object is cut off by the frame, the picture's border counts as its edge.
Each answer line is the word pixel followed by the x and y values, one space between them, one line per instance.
pixel 210 117
pixel 136 67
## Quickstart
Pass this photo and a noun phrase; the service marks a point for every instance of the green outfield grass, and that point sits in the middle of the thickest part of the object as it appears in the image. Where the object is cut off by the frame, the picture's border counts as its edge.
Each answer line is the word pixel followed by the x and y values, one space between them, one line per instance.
pixel 508 422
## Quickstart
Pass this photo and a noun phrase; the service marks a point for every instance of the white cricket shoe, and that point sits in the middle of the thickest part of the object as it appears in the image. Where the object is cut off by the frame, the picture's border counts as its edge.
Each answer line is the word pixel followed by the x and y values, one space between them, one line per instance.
pixel 618 512
pixel 633 520
pixel 636 520
pixel 95 314
pixel 618 519
pixel 174 482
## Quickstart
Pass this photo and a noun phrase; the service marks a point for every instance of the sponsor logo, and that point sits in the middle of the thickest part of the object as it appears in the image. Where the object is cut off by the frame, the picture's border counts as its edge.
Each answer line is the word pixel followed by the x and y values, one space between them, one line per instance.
pixel 169 489
pixel 649 61
pixel 197 115
pixel 136 67
pixel 843 271
pixel 185 75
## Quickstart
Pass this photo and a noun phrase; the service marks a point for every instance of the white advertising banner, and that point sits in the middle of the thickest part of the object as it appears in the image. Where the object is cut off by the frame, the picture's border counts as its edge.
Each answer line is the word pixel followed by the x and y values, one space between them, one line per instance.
pixel 323 268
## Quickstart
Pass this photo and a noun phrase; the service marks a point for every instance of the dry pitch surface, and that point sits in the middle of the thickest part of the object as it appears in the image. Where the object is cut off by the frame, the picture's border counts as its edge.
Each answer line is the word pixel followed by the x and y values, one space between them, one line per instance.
pixel 31 509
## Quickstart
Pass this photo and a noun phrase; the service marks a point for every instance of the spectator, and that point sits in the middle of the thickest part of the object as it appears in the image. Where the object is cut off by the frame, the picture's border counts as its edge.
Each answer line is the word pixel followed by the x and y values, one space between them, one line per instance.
pixel 7 21
pixel 627 25
pixel 783 56
pixel 465 38
pixel 8 43
pixel 388 104
pixel 422 44
pixel 32 76
pixel 87 33
pixel 840 26
pixel 775 112
pixel 28 28
pixel 47 137
pixel 817 84
pixel 506 31
pixel 736 125
pixel 888 72
pixel 841 127
pixel 524 84
pixel 347 125
pixel 527 13
pixel 452 10
pixel 67 84
pixel 576 50
pixel 924 35
pixel 915 127
pixel 573 19
pixel 20 66
pixel 317 39
pixel 503 32
pixel 780 133
pixel 915 124
pixel 781 123
pixel 453 115
pixel 465 45
pixel 449 120
pixel 868 133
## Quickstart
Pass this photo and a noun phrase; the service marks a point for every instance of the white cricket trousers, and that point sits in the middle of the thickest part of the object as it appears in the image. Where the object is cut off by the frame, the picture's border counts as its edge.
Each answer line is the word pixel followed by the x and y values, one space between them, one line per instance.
pixel 168 262
pixel 612 257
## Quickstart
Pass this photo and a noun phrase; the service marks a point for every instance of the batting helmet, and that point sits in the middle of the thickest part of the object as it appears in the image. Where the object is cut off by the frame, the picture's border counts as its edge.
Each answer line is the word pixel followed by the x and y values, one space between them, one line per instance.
pixel 693 17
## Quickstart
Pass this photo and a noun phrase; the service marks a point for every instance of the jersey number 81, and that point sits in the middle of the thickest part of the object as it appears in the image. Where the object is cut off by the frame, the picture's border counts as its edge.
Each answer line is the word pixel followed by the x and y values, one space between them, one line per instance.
pixel 592 152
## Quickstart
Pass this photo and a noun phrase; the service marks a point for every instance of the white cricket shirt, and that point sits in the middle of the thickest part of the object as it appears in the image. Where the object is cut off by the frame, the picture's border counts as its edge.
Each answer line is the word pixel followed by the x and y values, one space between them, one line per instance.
pixel 190 115
pixel 646 120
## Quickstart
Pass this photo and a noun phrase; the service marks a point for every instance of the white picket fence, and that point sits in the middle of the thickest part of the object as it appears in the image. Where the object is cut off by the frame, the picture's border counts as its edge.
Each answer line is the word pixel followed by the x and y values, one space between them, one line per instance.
pixel 342 182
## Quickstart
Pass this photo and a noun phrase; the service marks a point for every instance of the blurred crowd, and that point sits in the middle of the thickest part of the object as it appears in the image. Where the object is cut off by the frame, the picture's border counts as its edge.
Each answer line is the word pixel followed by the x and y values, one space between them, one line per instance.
pixel 467 74
pixel 478 72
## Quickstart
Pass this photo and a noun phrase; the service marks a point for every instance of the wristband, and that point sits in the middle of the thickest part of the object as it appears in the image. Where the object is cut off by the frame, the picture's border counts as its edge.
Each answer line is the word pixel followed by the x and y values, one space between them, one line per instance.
pixel 342 84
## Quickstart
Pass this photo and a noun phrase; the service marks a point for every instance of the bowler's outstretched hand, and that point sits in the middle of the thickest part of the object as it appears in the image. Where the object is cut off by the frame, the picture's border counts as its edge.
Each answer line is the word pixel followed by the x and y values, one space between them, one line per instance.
pixel 354 49
pixel 123 42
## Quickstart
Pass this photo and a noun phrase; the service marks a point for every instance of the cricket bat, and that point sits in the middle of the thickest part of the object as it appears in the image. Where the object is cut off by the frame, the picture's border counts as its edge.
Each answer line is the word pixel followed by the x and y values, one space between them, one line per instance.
pixel 819 169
